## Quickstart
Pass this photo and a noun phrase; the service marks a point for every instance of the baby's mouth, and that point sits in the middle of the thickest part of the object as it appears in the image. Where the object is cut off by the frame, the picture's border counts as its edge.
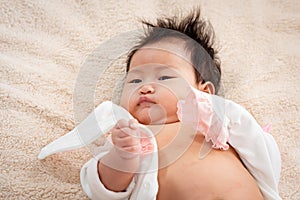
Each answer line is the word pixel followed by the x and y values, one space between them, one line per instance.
pixel 145 101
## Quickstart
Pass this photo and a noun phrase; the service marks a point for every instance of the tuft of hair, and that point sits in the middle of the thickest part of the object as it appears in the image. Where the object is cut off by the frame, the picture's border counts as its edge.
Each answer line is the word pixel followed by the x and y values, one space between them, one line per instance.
pixel 199 37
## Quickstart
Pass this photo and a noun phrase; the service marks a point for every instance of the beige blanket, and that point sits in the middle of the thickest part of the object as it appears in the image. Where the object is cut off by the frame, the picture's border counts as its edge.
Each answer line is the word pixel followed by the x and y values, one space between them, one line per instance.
pixel 44 47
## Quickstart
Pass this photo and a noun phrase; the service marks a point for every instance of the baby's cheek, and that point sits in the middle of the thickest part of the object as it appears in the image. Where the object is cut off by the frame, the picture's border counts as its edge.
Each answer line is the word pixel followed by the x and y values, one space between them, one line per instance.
pixel 125 103
pixel 180 89
pixel 127 98
pixel 130 105
pixel 170 107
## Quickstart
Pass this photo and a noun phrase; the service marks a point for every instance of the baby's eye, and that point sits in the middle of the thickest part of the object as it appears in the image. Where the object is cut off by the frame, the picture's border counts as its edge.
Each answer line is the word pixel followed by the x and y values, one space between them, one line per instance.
pixel 135 81
pixel 165 78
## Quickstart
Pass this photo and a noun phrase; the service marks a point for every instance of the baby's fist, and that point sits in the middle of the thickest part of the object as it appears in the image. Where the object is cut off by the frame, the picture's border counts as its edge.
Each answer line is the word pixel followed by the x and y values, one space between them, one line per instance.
pixel 125 137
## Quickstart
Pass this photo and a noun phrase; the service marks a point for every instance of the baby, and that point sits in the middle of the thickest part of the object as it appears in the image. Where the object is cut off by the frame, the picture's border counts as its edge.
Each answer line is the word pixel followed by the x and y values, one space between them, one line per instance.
pixel 174 59
pixel 173 76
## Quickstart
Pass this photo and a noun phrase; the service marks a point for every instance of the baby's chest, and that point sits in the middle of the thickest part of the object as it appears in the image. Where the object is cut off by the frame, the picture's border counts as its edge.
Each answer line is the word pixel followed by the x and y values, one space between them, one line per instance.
pixel 187 178
pixel 192 178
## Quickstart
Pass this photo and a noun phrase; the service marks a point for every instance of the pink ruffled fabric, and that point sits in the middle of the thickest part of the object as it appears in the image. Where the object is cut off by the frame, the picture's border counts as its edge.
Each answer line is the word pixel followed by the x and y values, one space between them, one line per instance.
pixel 197 110
pixel 146 144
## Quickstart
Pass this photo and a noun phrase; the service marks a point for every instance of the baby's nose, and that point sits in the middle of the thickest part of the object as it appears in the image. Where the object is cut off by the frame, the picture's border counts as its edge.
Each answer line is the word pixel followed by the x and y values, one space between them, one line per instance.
pixel 147 89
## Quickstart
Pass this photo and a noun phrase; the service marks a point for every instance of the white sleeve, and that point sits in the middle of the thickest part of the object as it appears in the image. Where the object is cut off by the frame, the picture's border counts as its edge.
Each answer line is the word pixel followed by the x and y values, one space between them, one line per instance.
pixel 93 186
pixel 274 155
pixel 257 149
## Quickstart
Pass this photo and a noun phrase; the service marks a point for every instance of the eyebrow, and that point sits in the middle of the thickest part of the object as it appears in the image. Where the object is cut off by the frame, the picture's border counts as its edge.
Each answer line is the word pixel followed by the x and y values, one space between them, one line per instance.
pixel 158 67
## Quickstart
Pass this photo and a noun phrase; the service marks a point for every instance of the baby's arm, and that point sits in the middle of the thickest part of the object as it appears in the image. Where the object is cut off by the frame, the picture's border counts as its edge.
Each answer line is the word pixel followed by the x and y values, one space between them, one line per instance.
pixel 116 169
pixel 102 177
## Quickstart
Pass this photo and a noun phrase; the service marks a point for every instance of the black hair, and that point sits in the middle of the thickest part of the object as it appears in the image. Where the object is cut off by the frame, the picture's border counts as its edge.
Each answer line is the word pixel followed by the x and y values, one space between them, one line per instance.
pixel 199 38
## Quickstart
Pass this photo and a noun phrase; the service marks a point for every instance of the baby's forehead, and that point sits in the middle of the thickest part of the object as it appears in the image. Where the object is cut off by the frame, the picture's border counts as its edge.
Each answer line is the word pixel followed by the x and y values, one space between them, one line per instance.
pixel 174 46
pixel 162 53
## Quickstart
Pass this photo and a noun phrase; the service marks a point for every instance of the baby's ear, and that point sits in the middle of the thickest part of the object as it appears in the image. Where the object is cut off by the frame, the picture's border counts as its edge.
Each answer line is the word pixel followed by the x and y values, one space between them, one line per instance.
pixel 207 87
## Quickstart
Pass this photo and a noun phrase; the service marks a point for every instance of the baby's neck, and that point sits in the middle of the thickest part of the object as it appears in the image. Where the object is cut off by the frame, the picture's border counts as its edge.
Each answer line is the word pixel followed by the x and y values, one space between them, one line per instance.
pixel 157 129
pixel 175 134
pixel 174 140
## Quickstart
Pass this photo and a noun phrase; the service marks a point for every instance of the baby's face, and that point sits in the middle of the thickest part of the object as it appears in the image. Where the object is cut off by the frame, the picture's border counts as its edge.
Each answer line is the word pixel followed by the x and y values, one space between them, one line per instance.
pixel 158 76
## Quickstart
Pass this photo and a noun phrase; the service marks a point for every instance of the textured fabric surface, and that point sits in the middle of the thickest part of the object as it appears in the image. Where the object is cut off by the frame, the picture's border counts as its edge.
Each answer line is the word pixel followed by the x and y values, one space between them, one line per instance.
pixel 45 45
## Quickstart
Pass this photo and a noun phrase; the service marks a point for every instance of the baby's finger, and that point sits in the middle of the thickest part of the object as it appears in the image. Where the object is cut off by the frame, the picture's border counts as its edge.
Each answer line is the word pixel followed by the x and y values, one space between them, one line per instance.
pixel 136 149
pixel 123 132
pixel 117 134
pixel 121 124
pixel 130 152
pixel 127 142
pixel 133 123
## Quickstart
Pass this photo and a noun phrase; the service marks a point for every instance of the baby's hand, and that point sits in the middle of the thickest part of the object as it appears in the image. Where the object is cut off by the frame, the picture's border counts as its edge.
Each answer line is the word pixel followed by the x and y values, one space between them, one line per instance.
pixel 126 139
pixel 130 144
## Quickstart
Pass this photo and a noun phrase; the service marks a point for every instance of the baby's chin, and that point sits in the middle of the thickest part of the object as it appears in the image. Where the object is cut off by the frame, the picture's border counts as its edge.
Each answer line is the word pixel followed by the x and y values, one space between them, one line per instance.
pixel 156 120
pixel 152 115
pixel 148 121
